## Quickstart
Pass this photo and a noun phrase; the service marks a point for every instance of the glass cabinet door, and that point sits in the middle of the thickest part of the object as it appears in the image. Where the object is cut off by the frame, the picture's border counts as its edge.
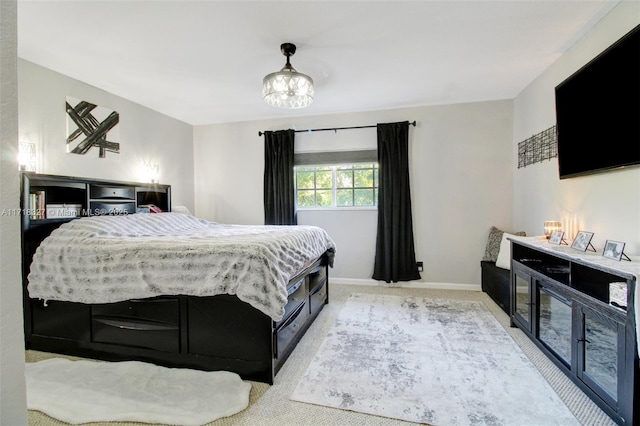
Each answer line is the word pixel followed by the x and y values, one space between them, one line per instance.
pixel 600 350
pixel 554 323
pixel 522 305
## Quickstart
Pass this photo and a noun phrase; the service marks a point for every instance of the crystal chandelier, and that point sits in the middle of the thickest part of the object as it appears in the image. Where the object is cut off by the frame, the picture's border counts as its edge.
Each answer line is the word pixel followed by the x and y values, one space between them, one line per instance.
pixel 288 88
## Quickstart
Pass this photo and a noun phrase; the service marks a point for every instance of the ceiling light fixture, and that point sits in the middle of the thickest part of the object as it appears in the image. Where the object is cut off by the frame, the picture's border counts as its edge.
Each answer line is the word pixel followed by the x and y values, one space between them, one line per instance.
pixel 288 88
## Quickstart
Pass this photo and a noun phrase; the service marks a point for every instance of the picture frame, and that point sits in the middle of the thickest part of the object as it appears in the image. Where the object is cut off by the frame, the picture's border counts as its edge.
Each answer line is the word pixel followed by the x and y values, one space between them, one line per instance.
pixel 582 241
pixel 556 238
pixel 614 250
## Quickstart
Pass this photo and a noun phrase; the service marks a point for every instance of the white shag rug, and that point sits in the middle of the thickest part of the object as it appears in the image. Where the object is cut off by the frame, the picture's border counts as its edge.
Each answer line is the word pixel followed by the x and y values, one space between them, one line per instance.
pixel 440 362
pixel 86 391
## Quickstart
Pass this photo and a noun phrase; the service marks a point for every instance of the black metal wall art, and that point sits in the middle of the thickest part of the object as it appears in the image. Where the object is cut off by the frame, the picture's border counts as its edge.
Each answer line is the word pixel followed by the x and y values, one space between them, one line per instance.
pixel 539 147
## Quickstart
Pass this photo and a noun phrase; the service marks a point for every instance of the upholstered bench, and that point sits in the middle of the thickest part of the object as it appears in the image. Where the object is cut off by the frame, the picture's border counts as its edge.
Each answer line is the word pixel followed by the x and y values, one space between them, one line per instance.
pixel 496 276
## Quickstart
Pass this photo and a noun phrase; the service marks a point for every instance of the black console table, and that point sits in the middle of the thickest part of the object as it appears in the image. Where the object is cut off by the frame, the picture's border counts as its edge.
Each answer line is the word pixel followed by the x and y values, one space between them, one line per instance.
pixel 560 299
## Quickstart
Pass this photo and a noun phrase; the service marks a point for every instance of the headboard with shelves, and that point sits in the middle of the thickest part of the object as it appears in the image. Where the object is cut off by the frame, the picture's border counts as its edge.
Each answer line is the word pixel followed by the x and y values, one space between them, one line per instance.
pixel 51 197
pixel 47 201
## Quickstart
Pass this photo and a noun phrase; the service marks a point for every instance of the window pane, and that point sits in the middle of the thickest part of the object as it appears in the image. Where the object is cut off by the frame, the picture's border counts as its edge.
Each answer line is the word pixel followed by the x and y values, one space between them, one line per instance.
pixel 344 179
pixel 363 197
pixel 324 179
pixel 363 178
pixel 364 166
pixel 324 198
pixel 345 197
pixel 306 198
pixel 304 180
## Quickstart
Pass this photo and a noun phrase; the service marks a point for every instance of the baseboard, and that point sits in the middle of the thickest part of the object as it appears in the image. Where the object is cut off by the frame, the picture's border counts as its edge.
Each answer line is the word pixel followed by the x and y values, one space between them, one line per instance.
pixel 405 284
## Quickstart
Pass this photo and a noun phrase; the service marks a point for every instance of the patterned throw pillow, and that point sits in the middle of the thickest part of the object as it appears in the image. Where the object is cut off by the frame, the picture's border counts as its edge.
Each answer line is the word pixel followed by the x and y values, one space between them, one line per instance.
pixel 493 243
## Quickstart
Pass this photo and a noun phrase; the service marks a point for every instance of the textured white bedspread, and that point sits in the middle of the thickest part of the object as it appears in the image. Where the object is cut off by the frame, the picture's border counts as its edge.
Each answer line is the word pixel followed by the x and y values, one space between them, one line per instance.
pixel 104 259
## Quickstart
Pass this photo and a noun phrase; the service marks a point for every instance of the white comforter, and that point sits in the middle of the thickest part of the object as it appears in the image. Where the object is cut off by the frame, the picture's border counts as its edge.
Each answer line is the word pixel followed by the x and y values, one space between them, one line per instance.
pixel 105 259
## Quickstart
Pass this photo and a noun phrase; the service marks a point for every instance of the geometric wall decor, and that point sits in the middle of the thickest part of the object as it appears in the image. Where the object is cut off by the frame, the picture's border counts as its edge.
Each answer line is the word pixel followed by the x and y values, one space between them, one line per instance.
pixel 90 126
pixel 539 147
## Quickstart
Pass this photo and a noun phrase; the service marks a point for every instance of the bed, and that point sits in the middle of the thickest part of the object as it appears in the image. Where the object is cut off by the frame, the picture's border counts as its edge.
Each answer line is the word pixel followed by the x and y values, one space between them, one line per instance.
pixel 169 288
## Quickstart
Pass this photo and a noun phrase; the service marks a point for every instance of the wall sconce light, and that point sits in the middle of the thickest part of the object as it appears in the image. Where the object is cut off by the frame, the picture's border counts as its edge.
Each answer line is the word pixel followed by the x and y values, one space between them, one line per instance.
pixel 151 172
pixel 551 226
pixel 27 157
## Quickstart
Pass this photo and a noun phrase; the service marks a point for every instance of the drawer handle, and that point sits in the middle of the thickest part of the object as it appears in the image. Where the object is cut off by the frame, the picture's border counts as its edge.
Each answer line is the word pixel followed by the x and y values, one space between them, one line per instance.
pixel 317 289
pixel 294 288
pixel 293 316
pixel 135 325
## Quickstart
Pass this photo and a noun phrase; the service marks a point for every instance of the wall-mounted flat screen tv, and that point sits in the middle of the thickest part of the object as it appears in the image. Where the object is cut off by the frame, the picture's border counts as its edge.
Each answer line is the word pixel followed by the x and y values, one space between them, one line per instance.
pixel 598 111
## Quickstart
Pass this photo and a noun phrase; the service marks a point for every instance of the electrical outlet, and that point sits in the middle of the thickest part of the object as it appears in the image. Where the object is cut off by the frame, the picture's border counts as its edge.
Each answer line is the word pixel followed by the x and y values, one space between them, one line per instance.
pixel 420 266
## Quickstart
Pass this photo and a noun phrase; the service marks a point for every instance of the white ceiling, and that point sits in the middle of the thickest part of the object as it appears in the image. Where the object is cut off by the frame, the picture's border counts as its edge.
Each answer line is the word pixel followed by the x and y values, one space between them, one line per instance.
pixel 203 61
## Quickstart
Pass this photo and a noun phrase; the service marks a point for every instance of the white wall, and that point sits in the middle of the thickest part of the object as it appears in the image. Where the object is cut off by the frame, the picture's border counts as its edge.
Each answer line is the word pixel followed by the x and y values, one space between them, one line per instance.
pixel 607 204
pixel 461 182
pixel 37 96
pixel 144 135
pixel 13 406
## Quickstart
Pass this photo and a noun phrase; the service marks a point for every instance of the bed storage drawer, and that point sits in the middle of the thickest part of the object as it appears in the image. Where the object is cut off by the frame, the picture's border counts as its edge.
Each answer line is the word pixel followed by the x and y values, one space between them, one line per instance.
pixel 100 191
pixel 297 293
pixel 151 324
pixel 290 328
pixel 318 297
pixel 100 208
pixel 65 320
pixel 223 327
pixel 317 276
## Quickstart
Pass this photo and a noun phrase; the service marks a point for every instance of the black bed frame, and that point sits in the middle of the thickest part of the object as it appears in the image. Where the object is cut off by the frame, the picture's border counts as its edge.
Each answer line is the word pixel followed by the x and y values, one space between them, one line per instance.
pixel 207 333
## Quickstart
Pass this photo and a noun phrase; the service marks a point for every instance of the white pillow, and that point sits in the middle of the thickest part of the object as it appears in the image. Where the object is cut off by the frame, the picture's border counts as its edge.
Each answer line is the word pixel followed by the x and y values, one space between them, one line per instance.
pixel 181 209
pixel 504 255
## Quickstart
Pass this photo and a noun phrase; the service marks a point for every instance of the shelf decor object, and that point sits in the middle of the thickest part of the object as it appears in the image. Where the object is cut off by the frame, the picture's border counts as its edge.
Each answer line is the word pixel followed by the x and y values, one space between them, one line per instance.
pixel 614 250
pixel 557 238
pixel 288 88
pixel 539 147
pixel 582 241
pixel 551 226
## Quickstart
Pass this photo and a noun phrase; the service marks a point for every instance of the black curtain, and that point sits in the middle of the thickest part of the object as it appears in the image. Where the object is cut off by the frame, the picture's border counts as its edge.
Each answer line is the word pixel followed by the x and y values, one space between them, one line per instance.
pixel 395 253
pixel 279 189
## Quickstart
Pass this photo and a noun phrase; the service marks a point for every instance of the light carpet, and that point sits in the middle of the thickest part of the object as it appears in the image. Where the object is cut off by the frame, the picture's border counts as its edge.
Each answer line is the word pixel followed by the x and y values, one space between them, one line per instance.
pixel 86 391
pixel 435 361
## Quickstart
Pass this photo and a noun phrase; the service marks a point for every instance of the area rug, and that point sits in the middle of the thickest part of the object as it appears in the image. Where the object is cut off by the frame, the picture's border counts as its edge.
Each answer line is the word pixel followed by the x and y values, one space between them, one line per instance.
pixel 439 362
pixel 86 391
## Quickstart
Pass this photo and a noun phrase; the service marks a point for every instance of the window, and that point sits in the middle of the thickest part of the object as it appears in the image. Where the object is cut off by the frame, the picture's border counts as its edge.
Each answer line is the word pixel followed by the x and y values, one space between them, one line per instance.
pixel 343 185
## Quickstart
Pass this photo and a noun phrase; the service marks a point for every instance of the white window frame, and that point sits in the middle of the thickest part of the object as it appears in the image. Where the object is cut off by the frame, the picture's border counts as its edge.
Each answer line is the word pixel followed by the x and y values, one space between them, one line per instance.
pixel 334 187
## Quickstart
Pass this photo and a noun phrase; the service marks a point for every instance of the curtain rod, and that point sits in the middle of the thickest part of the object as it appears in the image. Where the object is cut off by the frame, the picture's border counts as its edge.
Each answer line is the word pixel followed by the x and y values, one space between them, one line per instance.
pixel 335 129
